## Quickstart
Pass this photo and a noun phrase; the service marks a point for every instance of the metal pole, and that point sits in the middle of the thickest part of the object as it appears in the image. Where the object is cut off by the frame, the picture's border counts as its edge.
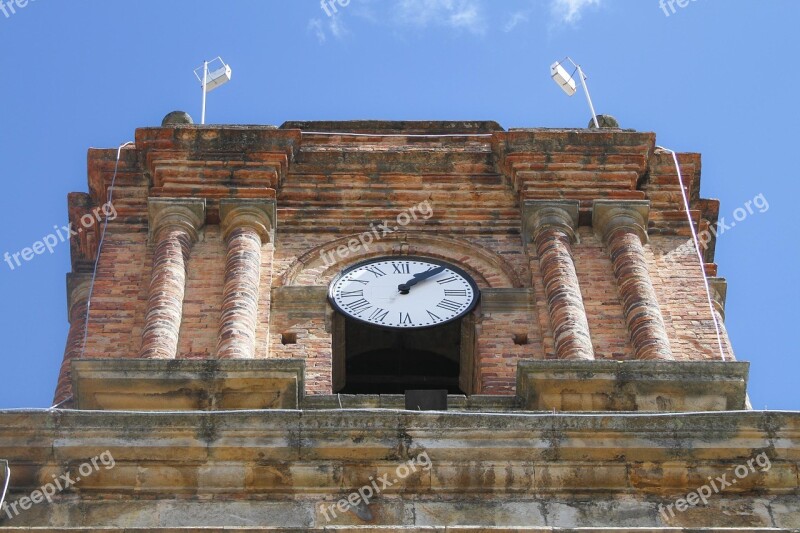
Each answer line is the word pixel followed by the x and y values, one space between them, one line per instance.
pixel 588 98
pixel 205 84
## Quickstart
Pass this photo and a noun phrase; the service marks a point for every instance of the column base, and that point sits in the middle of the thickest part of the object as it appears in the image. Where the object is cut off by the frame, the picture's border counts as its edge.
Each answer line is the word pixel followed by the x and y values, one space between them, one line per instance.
pixel 659 386
pixel 187 384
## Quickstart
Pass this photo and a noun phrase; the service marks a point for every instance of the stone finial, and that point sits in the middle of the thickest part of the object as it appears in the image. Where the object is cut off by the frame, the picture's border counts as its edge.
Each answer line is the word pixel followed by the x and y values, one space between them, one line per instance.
pixel 539 215
pixel 254 213
pixel 188 214
pixel 719 294
pixel 177 118
pixel 608 216
pixel 605 121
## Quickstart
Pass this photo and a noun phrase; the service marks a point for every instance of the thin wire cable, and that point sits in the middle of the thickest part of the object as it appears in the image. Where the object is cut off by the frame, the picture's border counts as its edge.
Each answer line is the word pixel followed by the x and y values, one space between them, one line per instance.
pixel 59 404
pixel 696 242
pixel 109 200
pixel 8 478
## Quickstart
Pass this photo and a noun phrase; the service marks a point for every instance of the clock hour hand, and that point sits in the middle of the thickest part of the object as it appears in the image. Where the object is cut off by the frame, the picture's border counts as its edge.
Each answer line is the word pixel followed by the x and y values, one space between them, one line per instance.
pixel 404 288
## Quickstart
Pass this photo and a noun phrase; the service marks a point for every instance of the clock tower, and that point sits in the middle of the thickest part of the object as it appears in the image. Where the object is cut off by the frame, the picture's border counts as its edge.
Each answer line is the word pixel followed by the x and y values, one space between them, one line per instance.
pixel 246 335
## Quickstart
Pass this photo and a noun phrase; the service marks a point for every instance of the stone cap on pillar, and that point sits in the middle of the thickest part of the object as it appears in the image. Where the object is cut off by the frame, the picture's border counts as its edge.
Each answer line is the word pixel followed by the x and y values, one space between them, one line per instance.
pixel 186 213
pixel 259 214
pixel 719 293
pixel 609 216
pixel 78 289
pixel 538 215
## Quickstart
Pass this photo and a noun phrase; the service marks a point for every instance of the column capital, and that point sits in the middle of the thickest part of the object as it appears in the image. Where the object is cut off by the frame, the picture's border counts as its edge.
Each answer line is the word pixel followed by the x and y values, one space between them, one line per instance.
pixel 78 287
pixel 188 214
pixel 259 214
pixel 609 216
pixel 719 294
pixel 539 215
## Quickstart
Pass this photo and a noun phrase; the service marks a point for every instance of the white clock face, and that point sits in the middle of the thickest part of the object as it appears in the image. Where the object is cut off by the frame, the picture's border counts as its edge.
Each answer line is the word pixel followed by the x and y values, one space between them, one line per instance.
pixel 404 292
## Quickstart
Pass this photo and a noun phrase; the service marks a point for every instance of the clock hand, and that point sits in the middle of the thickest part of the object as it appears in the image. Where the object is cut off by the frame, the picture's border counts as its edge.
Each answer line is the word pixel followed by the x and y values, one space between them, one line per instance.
pixel 404 288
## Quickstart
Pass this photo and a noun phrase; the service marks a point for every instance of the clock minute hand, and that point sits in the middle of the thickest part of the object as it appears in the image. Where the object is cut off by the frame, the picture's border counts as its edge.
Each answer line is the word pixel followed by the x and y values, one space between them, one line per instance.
pixel 404 288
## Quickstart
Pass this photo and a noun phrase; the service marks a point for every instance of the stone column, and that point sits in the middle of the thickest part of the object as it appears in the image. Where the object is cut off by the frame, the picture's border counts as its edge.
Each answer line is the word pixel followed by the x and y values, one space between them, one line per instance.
pixel 623 227
pixel 246 225
pixel 78 287
pixel 551 224
pixel 174 226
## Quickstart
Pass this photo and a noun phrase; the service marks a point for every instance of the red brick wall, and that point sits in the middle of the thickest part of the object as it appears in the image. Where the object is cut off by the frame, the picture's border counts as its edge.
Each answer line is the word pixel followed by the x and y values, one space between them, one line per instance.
pixel 330 188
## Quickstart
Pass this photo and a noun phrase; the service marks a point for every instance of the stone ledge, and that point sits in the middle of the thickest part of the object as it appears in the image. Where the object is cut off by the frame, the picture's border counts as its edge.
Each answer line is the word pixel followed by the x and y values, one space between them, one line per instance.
pixel 455 402
pixel 392 514
pixel 661 386
pixel 407 127
pixel 183 384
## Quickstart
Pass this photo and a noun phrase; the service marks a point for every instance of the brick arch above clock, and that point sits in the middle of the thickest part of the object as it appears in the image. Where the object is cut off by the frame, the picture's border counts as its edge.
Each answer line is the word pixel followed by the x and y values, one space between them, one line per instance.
pixel 320 264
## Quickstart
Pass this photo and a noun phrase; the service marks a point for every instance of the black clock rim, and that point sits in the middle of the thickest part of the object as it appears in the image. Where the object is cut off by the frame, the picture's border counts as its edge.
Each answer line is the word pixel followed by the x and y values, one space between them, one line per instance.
pixel 460 271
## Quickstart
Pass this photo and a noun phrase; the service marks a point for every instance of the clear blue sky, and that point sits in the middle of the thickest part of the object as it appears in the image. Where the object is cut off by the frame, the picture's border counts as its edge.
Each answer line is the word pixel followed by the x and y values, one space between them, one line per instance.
pixel 716 77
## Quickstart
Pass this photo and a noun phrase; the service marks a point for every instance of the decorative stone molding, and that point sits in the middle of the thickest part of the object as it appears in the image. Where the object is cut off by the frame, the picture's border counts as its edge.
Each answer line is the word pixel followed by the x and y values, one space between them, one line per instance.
pixel 487 267
pixel 551 224
pixel 507 300
pixel 516 471
pixel 540 215
pixel 79 287
pixel 609 216
pixel 187 214
pixel 719 294
pixel 662 386
pixel 258 214
pixel 78 293
pixel 623 227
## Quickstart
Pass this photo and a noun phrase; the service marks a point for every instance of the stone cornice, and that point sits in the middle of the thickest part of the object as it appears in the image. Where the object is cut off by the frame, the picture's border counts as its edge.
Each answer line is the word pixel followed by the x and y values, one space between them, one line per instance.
pixel 185 213
pixel 219 161
pixel 261 215
pixel 609 216
pixel 453 440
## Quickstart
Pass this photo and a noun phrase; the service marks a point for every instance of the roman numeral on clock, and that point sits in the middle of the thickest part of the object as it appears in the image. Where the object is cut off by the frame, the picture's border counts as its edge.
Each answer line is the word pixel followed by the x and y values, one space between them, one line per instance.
pixel 405 318
pixel 449 305
pixel 379 314
pixel 445 281
pixel 377 271
pixel 433 317
pixel 401 268
pixel 352 294
pixel 359 306
pixel 455 293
